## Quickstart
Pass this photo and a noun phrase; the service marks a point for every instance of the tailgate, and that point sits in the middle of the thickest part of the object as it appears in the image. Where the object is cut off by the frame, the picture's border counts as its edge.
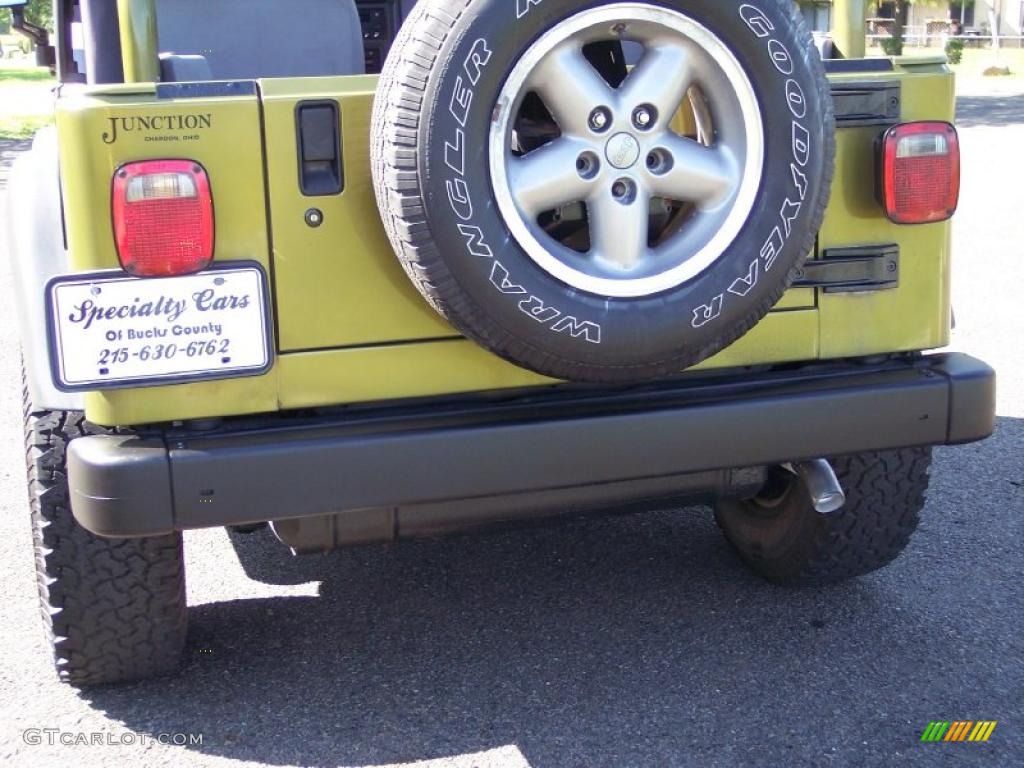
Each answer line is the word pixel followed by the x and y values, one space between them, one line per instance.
pixel 348 324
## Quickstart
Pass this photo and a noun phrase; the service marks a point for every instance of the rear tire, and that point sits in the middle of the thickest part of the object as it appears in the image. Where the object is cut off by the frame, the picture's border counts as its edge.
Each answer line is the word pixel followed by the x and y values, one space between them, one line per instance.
pixel 114 609
pixel 781 536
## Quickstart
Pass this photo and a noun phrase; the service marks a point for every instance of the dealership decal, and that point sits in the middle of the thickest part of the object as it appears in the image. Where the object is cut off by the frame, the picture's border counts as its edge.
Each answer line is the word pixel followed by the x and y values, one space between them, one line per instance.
pixel 88 312
pixel 158 127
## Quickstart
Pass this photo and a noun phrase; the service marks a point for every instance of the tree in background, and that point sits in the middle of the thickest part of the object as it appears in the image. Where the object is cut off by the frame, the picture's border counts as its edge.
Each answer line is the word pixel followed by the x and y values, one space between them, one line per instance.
pixel 37 11
pixel 901 14
pixel 902 8
pixel 893 46
pixel 960 13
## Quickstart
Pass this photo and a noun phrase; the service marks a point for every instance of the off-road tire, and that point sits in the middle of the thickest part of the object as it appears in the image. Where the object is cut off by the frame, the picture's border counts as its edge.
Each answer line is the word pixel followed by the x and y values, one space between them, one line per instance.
pixel 114 609
pixel 788 542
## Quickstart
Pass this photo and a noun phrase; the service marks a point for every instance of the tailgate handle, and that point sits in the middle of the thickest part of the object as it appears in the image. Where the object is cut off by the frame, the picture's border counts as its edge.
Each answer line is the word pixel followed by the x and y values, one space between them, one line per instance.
pixel 318 126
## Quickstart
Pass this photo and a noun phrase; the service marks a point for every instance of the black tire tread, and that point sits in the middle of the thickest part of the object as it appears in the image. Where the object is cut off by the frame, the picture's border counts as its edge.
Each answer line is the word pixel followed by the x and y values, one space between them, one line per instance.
pixel 885 493
pixel 114 610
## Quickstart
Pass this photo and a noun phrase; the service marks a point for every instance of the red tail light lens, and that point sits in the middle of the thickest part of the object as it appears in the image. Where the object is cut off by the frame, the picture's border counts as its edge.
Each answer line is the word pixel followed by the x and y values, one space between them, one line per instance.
pixel 920 172
pixel 163 217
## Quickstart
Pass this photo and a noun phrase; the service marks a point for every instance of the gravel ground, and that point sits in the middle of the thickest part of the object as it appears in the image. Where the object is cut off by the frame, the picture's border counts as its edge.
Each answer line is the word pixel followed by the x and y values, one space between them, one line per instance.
pixel 625 642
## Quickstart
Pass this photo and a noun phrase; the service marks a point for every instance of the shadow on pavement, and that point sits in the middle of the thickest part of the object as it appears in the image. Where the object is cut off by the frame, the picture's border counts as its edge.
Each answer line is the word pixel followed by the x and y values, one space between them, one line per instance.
pixel 615 641
pixel 973 111
pixel 265 559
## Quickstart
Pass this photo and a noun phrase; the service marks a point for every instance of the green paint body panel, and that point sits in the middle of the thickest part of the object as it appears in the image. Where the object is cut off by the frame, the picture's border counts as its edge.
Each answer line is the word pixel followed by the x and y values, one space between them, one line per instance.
pixel 349 325
pixel 334 289
pixel 916 316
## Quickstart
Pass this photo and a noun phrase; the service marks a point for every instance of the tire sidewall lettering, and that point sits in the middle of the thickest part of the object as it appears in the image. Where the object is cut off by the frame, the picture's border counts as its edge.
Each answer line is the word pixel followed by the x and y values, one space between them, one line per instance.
pixel 505 284
pixel 780 57
pixel 755 19
pixel 523 7
pixel 795 99
pixel 801 149
pixel 461 202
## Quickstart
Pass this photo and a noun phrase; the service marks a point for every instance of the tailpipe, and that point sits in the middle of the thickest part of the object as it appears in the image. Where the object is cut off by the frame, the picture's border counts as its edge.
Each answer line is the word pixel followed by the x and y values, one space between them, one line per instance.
pixel 822 485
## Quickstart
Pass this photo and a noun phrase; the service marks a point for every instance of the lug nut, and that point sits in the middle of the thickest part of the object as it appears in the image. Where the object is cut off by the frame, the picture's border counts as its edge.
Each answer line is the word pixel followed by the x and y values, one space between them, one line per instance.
pixel 599 119
pixel 624 190
pixel 588 165
pixel 643 117
pixel 659 162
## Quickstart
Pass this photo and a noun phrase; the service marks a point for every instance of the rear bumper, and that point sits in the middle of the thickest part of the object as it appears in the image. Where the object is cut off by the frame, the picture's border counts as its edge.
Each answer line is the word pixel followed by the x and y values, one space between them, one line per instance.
pixel 144 486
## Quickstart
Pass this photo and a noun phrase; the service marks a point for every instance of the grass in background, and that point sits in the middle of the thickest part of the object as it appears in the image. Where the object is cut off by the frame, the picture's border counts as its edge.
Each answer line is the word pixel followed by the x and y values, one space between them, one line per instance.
pixel 32 75
pixel 22 126
pixel 25 105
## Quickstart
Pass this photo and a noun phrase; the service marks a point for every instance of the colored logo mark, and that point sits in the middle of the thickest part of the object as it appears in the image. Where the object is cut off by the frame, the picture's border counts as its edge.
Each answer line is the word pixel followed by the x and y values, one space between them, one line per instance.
pixel 958 730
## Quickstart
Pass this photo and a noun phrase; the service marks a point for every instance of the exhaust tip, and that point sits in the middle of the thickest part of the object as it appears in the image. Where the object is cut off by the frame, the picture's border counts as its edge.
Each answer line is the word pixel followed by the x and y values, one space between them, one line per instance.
pixel 822 485
pixel 828 503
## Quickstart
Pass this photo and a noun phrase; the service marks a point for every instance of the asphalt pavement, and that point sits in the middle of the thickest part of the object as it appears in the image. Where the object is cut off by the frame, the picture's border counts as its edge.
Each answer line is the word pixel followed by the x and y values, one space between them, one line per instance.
pixel 638 641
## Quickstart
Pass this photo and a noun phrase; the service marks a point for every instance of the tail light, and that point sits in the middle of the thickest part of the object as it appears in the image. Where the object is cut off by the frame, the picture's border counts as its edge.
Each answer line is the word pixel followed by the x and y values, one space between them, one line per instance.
pixel 920 173
pixel 163 217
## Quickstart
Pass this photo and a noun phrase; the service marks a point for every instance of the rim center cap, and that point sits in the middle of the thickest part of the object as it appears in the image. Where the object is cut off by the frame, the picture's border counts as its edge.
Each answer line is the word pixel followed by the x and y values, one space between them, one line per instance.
pixel 622 151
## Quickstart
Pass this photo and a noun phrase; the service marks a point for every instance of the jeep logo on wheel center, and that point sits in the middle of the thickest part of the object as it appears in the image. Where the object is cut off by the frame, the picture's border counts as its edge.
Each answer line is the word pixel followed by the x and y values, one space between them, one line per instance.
pixel 623 151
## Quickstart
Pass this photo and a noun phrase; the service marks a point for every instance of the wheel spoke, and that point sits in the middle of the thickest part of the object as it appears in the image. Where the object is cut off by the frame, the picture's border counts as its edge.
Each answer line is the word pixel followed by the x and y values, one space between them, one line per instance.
pixel 618 231
pixel 699 174
pixel 662 78
pixel 547 177
pixel 570 87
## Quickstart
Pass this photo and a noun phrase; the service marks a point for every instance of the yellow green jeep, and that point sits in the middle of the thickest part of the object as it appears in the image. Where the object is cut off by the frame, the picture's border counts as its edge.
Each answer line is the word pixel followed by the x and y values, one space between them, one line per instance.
pixel 387 269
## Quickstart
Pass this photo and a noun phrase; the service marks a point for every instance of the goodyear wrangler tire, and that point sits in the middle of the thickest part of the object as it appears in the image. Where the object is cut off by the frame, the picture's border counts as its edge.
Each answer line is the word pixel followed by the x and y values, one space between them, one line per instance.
pixel 603 192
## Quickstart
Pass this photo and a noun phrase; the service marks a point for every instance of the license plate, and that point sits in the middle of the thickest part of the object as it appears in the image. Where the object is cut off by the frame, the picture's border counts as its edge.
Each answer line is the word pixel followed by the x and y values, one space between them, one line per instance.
pixel 117 331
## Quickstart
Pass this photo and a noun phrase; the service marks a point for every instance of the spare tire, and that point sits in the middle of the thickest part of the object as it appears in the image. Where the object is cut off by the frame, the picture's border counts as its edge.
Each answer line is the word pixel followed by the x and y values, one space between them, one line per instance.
pixel 604 192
